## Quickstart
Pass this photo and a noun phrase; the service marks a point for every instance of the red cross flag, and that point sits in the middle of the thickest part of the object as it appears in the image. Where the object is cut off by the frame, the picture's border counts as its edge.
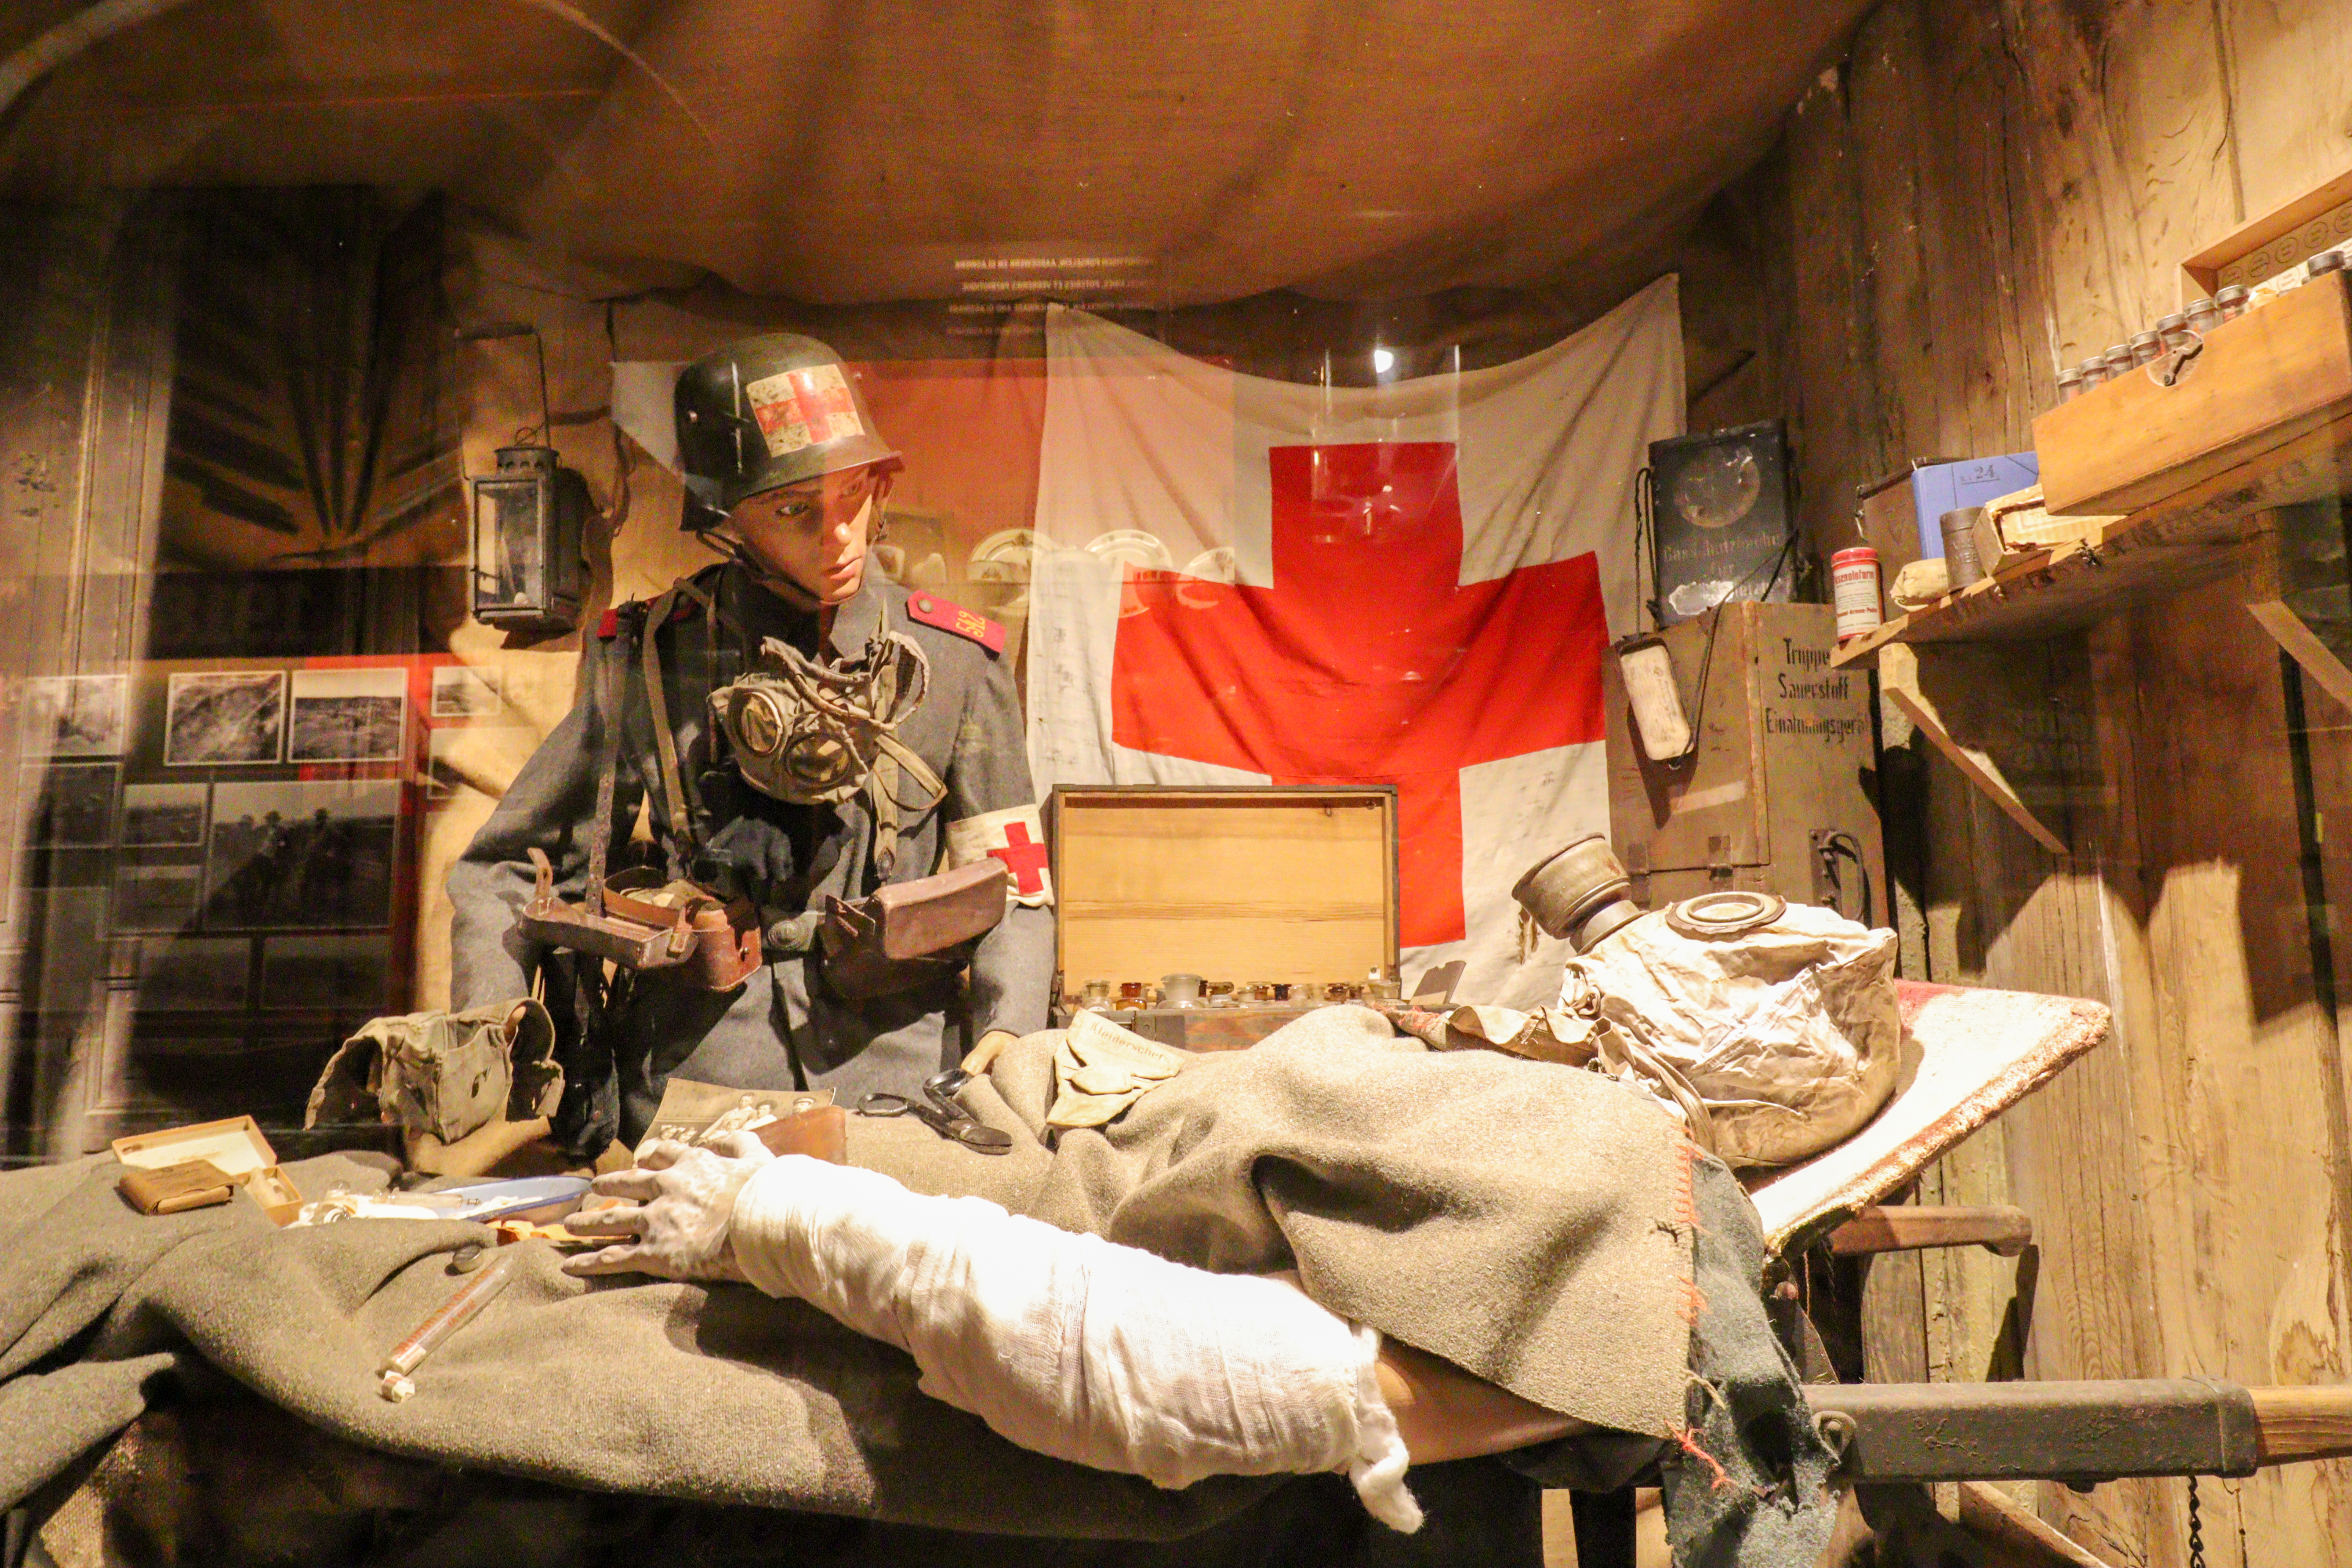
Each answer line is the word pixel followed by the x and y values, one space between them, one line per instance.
pixel 1242 580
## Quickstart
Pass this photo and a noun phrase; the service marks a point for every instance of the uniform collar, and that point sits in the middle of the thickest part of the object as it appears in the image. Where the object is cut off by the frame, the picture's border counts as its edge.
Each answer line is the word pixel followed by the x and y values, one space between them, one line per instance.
pixel 854 623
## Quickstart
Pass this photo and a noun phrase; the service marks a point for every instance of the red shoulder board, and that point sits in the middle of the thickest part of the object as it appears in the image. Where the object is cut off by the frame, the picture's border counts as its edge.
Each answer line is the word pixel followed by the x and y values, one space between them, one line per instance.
pixel 934 611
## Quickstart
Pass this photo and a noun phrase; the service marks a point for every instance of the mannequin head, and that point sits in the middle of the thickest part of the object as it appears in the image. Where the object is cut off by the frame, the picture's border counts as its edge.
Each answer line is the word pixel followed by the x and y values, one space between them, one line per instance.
pixel 817 536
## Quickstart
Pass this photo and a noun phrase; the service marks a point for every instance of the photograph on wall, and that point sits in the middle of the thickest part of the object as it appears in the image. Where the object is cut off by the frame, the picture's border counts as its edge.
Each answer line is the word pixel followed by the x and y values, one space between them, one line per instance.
pixel 161 815
pixel 295 855
pixel 348 715
pixel 468 691
pixel 224 716
pixel 344 973
pixel 73 804
pixel 158 898
pixel 188 974
pixel 74 716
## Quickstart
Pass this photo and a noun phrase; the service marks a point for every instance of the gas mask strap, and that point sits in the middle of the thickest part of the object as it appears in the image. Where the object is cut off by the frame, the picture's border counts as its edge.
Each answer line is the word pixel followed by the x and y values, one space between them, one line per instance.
pixel 681 825
pixel 608 759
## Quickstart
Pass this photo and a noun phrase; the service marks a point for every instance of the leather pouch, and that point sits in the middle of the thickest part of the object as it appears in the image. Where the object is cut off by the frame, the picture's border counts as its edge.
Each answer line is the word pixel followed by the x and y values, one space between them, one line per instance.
pixel 649 927
pixel 907 933
pixel 175 1189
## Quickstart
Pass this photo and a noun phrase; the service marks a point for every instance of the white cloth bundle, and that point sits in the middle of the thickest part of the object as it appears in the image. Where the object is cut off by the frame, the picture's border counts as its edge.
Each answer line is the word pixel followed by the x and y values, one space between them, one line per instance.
pixel 1072 1346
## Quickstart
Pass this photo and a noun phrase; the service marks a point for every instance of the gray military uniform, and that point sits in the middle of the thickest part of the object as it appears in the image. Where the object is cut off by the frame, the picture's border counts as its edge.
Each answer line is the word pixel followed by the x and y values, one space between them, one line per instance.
pixel 969 729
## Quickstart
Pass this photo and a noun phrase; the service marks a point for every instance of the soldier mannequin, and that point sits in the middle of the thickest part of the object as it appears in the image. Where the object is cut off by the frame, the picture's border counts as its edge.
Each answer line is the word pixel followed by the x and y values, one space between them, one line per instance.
pixel 785 475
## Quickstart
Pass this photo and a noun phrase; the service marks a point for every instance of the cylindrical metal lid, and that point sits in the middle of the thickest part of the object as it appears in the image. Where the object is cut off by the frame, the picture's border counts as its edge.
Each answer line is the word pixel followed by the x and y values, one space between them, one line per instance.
pixel 2095 371
pixel 2070 382
pixel 2232 301
pixel 2145 348
pixel 2325 262
pixel 1579 893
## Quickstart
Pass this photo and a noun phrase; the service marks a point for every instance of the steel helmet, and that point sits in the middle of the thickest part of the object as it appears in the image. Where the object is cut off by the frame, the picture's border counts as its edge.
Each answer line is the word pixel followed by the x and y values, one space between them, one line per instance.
pixel 766 412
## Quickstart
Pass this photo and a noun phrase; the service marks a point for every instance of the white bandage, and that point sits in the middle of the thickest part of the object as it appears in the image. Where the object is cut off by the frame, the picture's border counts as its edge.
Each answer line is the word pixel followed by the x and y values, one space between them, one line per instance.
pixel 1075 1347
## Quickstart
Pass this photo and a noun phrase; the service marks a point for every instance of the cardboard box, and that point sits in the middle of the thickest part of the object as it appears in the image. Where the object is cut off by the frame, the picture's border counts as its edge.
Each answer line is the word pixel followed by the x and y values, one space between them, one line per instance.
pixel 234 1146
pixel 1243 885
pixel 1901 516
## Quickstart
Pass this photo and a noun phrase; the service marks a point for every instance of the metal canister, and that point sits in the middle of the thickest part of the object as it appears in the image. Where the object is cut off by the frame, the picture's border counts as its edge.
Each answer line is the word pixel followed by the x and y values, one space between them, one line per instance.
pixel 1853 585
pixel 2327 261
pixel 2119 358
pixel 2147 347
pixel 1962 566
pixel 2232 301
pixel 2070 384
pixel 2203 315
pixel 2095 373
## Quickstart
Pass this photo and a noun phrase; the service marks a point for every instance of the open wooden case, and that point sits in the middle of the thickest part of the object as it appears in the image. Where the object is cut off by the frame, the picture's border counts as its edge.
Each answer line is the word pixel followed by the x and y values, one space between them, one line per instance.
pixel 1241 886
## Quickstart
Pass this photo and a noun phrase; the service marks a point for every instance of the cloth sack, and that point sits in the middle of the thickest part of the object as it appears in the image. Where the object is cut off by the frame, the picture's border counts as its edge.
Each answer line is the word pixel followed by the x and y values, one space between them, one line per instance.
pixel 1773 1044
pixel 446 1074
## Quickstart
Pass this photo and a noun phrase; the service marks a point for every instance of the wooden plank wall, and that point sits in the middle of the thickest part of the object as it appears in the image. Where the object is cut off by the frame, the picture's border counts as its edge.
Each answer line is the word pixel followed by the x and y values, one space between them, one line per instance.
pixel 1984 191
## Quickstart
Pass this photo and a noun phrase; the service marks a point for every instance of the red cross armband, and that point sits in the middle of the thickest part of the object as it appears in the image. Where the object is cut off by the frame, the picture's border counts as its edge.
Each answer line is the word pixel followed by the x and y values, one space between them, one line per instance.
pixel 1016 836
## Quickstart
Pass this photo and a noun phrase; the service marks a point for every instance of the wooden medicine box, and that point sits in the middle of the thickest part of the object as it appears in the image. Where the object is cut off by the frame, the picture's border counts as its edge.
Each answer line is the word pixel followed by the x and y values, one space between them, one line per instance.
pixel 2281 371
pixel 1239 886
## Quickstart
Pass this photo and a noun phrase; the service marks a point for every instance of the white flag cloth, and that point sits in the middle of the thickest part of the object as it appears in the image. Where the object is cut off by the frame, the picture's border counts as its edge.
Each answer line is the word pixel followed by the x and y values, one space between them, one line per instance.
pixel 1243 581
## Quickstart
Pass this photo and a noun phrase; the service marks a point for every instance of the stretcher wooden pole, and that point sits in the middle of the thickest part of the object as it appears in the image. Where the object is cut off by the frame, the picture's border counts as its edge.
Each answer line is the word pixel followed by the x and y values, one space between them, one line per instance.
pixel 2295 1424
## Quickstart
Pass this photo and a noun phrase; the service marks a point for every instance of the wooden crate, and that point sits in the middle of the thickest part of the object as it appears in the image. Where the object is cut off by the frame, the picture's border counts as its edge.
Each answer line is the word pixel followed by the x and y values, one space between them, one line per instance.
pixel 1249 884
pixel 2280 372
pixel 1785 755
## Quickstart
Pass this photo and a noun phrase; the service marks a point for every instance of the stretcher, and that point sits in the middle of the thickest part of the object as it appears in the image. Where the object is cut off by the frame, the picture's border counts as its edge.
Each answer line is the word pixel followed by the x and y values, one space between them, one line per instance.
pixel 1969 1054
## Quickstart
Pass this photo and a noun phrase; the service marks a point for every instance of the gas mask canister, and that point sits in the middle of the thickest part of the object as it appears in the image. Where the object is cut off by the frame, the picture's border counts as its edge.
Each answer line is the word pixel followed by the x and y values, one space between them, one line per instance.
pixel 817 732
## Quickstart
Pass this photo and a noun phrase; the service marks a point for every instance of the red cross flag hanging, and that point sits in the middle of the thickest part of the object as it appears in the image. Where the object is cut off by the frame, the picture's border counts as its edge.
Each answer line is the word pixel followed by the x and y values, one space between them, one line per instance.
pixel 1242 580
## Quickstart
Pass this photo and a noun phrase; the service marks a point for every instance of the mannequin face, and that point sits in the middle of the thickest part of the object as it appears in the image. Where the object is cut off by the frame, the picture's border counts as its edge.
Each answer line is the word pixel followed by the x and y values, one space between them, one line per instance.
pixel 815 534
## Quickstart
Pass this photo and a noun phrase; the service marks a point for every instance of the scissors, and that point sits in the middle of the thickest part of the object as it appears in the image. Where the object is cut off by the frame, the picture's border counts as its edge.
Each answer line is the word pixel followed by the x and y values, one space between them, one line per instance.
pixel 937 1110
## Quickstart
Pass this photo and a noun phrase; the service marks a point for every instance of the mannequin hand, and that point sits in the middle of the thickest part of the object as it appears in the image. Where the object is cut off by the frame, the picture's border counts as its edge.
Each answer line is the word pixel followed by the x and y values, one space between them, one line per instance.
pixel 676 1225
pixel 991 1046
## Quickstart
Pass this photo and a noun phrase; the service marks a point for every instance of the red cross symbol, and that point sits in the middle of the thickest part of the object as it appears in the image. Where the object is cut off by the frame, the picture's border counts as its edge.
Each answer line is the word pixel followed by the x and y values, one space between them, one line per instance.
pixel 1368 662
pixel 1024 857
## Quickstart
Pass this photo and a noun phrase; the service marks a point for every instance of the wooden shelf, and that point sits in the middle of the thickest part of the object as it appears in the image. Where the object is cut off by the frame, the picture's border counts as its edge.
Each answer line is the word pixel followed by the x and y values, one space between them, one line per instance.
pixel 2202 532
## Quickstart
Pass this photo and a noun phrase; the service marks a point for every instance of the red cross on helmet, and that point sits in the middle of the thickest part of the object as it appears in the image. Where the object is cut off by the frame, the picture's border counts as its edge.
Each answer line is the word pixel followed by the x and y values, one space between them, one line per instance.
pixel 766 412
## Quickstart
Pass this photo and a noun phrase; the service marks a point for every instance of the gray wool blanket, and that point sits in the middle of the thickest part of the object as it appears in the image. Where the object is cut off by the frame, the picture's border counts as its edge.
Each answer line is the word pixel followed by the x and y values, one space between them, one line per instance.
pixel 1530 1223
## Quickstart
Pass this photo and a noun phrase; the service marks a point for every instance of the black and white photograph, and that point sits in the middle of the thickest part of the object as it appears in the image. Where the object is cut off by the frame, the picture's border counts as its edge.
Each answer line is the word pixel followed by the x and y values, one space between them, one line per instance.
pixel 344 973
pixel 468 691
pixel 187 975
pixel 225 717
pixel 74 716
pixel 348 715
pixel 301 856
pixel 73 804
pixel 158 898
pixel 169 814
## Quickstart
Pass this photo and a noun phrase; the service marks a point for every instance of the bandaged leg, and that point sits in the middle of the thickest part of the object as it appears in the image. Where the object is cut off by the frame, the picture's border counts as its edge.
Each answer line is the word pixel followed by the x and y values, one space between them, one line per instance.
pixel 1072 1346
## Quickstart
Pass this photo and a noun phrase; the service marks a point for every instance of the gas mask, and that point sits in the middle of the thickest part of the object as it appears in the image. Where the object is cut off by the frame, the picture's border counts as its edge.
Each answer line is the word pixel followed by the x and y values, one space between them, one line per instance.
pixel 816 731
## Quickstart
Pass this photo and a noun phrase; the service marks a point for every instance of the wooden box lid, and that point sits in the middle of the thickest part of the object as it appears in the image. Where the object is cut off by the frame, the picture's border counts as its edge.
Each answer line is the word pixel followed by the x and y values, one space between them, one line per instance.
pixel 1247 884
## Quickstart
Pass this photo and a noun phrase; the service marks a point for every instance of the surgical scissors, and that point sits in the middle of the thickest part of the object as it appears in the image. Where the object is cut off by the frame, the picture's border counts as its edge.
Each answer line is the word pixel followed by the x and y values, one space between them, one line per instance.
pixel 939 1110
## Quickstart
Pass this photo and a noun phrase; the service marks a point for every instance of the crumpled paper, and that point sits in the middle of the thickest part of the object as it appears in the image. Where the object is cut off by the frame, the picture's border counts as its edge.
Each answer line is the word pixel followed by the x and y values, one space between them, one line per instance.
pixel 1100 1070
